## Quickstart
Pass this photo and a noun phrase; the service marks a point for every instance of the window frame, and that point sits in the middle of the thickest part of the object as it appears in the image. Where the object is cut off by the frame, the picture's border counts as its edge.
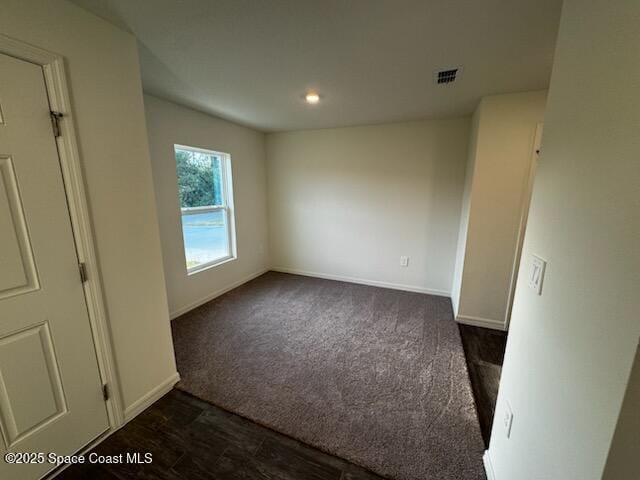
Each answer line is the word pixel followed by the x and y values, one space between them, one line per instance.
pixel 227 207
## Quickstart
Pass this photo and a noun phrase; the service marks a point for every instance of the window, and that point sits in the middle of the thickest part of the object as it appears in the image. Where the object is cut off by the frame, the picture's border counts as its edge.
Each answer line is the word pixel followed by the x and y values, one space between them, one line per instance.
pixel 206 205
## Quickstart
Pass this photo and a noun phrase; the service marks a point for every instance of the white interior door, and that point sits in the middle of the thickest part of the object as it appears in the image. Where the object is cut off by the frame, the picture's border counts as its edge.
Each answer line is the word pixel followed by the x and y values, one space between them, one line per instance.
pixel 50 390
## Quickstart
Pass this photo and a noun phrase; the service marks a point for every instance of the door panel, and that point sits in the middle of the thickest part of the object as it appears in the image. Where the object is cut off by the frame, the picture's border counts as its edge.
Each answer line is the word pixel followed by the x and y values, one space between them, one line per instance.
pixel 50 388
pixel 29 372
pixel 18 270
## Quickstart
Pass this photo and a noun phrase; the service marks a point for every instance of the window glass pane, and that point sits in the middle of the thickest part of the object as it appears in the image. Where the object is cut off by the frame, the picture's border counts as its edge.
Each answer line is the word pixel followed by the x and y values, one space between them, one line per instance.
pixel 199 178
pixel 217 181
pixel 202 184
pixel 205 237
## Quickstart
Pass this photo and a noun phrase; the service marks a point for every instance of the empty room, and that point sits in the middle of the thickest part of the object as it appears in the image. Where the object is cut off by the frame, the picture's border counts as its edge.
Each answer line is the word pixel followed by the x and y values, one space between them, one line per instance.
pixel 319 239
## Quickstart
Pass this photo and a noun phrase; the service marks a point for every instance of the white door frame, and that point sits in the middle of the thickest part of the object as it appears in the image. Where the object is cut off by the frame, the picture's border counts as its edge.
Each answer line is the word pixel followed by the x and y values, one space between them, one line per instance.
pixel 68 153
pixel 524 217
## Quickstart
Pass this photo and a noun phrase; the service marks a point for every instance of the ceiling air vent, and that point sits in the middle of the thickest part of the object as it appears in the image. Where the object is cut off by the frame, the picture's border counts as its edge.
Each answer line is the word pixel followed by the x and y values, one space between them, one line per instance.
pixel 448 75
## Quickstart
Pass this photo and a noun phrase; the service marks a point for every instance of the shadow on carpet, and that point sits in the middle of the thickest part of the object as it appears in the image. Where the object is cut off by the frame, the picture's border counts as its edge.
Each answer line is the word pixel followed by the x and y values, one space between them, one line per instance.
pixel 372 375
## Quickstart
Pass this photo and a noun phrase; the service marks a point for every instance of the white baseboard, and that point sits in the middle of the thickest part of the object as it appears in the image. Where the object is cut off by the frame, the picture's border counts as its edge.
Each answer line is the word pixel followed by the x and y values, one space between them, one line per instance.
pixel 149 398
pixel 211 296
pixel 363 281
pixel 482 322
pixel 488 468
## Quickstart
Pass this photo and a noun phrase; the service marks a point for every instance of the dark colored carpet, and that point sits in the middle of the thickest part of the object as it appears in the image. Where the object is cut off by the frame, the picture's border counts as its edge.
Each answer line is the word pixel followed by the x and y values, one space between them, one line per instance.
pixel 375 376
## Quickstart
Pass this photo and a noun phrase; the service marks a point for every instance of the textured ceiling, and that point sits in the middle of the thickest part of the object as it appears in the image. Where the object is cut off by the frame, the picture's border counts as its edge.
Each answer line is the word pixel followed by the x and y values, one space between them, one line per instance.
pixel 373 61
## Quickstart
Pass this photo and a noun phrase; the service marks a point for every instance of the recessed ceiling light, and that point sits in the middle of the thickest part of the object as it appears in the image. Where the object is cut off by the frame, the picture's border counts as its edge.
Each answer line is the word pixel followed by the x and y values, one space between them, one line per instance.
pixel 312 98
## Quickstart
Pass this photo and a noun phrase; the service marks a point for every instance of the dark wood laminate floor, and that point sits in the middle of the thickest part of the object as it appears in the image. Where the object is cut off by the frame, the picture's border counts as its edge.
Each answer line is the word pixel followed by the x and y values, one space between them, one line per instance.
pixel 484 351
pixel 192 439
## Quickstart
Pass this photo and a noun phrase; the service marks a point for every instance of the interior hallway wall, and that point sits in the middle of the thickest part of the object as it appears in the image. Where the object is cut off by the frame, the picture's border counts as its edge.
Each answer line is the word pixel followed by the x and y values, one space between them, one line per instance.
pixel 496 187
pixel 463 230
pixel 570 350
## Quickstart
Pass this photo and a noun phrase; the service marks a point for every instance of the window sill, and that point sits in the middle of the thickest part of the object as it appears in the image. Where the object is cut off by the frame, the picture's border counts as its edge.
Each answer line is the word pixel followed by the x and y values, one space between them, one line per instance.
pixel 207 266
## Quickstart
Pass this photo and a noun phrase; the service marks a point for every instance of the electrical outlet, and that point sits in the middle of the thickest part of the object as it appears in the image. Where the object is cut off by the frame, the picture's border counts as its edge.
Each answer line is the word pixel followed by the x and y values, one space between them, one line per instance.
pixel 404 261
pixel 507 419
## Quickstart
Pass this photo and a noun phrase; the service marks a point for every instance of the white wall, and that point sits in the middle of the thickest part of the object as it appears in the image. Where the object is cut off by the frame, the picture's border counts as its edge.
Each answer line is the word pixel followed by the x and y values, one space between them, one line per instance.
pixel 348 202
pixel 464 214
pixel 169 124
pixel 570 351
pixel 499 167
pixel 104 77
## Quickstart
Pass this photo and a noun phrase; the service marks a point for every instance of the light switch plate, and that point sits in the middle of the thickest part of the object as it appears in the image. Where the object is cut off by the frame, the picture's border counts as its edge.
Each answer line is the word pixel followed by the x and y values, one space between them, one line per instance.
pixel 536 273
pixel 404 261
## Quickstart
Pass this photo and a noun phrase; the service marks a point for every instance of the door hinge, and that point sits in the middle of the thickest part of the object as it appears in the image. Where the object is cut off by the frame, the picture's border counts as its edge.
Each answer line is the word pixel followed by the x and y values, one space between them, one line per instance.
pixel 83 272
pixel 55 123
pixel 105 392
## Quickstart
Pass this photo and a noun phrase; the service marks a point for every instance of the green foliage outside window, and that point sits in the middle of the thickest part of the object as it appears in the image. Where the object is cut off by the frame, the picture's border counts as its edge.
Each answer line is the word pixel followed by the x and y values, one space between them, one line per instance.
pixel 199 179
